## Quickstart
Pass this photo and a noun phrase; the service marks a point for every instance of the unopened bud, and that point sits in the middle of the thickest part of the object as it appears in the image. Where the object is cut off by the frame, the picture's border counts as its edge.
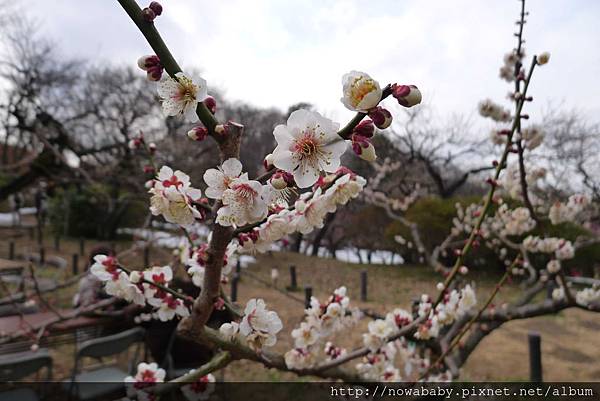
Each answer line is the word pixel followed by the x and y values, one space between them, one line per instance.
pixel 368 153
pixel 381 117
pixel 407 95
pixel 34 347
pixel 135 277
pixel 156 7
pixel 148 14
pixel 365 128
pixel 152 147
pixel 198 133
pixel 268 161
pixel 440 286
pixel 278 181
pixel 220 129
pixel 463 270
pixel 543 58
pixel 211 104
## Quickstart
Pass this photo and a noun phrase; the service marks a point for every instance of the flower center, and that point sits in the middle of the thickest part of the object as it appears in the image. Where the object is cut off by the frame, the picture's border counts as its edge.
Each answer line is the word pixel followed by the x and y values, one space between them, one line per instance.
pixel 172 181
pixel 187 90
pixel 361 88
pixel 245 192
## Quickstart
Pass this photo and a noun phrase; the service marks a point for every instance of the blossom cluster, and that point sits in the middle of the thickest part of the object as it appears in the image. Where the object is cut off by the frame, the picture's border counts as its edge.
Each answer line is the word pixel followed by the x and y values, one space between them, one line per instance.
pixel 174 198
pixel 142 288
pixel 487 108
pixel 321 321
pixel 258 328
pixel 379 364
pixel 308 213
pixel 147 375
pixel 568 212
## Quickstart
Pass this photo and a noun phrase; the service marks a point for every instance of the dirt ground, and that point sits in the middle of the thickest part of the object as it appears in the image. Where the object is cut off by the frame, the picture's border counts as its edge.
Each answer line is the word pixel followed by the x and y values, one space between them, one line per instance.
pixel 570 344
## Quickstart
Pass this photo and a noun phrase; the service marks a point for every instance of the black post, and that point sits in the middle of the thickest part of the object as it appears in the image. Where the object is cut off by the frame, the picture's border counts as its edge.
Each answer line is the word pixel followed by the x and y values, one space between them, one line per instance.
pixel 238 269
pixel 31 233
pixel 234 287
pixel 307 296
pixel 42 256
pixel 363 285
pixel 57 242
pixel 293 278
pixel 146 256
pixel 81 246
pixel 75 267
pixel 11 250
pixel 535 357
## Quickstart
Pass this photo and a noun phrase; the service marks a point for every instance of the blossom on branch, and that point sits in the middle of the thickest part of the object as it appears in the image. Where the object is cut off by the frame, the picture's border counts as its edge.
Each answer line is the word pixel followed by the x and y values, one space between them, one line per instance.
pixel 361 92
pixel 307 145
pixel 180 96
pixel 259 326
pixel 243 203
pixel 219 179
pixel 201 389
pixel 173 198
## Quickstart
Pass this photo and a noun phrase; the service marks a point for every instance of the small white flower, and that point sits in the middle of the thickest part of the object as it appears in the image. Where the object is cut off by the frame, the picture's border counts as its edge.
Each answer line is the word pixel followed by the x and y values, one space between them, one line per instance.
pixel 260 326
pixel 219 179
pixel 380 328
pixel 148 374
pixel 172 197
pixel 201 389
pixel 305 335
pixel 299 358
pixel 180 96
pixel 105 268
pixel 229 330
pixel 171 306
pixel 307 145
pixel 243 203
pixel 361 92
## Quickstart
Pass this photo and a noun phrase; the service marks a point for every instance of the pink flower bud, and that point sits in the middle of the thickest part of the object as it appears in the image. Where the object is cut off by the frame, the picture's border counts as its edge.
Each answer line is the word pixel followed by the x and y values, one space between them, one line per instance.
pixel 363 148
pixel 148 14
pixel 148 169
pixel 268 161
pixel 156 7
pixel 407 95
pixel 211 104
pixel 463 270
pixel 365 129
pixel 152 147
pixel 154 73
pixel 381 117
pixel 198 133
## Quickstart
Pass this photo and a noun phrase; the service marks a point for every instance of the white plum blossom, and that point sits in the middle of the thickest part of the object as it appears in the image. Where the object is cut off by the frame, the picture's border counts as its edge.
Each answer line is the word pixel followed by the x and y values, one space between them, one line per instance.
pixel 243 203
pixel 172 197
pixel 305 335
pixel 171 307
pixel 219 179
pixel 105 268
pixel 299 358
pixel 148 374
pixel 180 96
pixel 587 296
pixel 361 92
pixel 259 326
pixel 307 145
pixel 229 330
pixel 200 389
pixel 564 212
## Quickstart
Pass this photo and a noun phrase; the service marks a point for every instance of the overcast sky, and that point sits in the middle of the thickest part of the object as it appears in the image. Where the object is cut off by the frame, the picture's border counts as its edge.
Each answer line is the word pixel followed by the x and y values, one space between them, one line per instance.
pixel 275 53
